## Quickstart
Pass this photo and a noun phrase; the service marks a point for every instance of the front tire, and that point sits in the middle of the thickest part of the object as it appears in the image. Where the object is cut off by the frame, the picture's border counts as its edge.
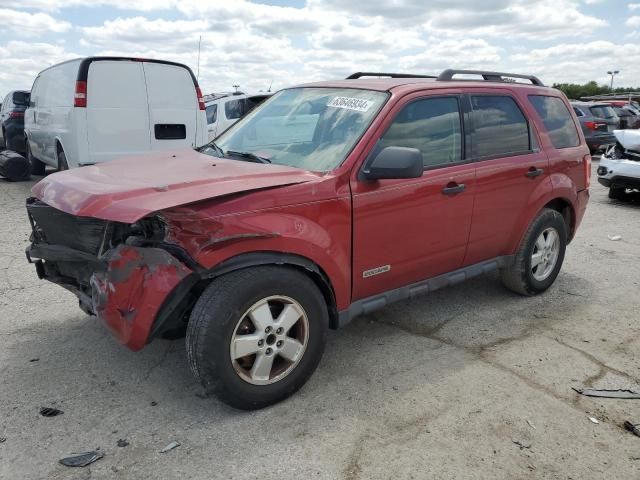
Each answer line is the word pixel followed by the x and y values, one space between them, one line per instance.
pixel 256 335
pixel 540 256
pixel 617 193
pixel 37 167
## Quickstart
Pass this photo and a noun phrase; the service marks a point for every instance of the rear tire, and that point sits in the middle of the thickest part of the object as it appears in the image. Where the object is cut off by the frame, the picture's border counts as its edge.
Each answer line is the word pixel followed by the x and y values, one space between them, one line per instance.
pixel 62 160
pixel 617 193
pixel 249 306
pixel 540 256
pixel 37 167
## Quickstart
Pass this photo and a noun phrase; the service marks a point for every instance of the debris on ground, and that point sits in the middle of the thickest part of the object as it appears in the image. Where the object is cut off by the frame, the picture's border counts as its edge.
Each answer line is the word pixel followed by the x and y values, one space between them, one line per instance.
pixel 531 424
pixel 14 166
pixel 50 412
pixel 604 393
pixel 594 420
pixel 631 428
pixel 122 442
pixel 522 445
pixel 35 359
pixel 81 459
pixel 170 447
pixel 3 439
pixel 614 238
pixel 153 404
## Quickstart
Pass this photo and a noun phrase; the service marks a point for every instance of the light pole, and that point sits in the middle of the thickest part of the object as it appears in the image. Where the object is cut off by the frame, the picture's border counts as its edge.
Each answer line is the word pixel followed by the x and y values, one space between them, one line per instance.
pixel 613 73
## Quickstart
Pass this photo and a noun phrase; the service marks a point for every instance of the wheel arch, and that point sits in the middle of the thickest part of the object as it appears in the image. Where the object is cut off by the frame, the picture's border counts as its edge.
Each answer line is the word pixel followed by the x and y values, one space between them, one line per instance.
pixel 564 208
pixel 181 300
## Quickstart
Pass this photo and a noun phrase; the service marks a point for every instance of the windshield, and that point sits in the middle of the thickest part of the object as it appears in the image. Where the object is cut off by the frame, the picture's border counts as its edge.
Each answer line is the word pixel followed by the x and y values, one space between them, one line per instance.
pixel 309 128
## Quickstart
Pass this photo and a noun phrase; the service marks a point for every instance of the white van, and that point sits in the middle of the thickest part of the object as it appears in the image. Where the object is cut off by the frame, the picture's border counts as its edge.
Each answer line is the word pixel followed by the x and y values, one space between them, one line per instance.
pixel 95 109
pixel 225 109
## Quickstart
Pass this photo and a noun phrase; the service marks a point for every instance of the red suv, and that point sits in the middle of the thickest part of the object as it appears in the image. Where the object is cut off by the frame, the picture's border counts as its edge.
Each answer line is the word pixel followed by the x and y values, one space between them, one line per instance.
pixel 330 200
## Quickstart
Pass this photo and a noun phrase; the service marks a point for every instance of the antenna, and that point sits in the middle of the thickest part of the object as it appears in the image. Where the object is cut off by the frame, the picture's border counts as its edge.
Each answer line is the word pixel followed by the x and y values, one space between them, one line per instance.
pixel 269 90
pixel 199 43
pixel 236 87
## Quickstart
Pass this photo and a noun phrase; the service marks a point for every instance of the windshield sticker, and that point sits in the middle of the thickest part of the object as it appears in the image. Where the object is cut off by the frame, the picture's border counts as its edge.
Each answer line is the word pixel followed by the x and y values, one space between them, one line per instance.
pixel 349 103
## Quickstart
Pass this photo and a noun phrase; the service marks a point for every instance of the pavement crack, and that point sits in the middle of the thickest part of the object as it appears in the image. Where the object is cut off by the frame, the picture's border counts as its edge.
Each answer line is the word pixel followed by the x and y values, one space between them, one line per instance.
pixel 158 363
pixel 604 368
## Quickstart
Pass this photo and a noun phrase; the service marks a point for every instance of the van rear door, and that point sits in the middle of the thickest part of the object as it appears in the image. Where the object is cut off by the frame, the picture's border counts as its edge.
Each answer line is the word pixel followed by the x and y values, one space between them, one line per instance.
pixel 117 112
pixel 173 107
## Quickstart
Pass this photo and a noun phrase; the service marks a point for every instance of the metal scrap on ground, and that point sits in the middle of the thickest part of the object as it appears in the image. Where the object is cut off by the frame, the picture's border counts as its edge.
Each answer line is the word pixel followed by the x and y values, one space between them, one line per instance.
pixel 50 412
pixel 632 428
pixel 81 459
pixel 604 393
pixel 169 447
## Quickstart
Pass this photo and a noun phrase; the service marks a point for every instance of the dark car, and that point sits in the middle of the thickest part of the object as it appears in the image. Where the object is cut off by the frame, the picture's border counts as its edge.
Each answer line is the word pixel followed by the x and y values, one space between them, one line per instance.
pixel 598 121
pixel 330 200
pixel 12 120
pixel 628 118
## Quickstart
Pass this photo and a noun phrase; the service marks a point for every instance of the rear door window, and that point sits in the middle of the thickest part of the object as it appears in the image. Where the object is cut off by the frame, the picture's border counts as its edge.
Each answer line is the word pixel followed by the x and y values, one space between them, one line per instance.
pixel 499 127
pixel 557 120
pixel 432 126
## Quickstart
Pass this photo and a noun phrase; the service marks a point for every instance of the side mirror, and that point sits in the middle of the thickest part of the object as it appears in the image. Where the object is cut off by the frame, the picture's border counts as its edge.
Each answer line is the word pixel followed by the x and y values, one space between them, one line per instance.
pixel 394 162
pixel 20 98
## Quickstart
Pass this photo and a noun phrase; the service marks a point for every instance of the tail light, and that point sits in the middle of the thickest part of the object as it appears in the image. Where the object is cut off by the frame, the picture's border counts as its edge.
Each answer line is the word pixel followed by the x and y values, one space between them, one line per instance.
pixel 200 98
pixel 594 125
pixel 586 162
pixel 16 114
pixel 80 98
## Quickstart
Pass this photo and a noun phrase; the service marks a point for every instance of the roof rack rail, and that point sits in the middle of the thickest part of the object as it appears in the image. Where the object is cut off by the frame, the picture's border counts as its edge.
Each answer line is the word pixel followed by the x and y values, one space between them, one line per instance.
pixel 356 75
pixel 488 76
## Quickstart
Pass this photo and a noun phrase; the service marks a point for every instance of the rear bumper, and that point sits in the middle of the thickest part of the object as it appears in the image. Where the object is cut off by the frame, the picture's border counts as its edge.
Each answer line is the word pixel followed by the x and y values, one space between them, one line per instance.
pixel 600 141
pixel 127 288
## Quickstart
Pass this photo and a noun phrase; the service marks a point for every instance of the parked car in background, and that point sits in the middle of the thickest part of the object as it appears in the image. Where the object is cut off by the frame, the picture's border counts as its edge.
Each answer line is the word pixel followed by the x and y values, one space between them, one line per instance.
pixel 598 121
pixel 282 229
pixel 628 119
pixel 225 109
pixel 95 109
pixel 619 168
pixel 12 120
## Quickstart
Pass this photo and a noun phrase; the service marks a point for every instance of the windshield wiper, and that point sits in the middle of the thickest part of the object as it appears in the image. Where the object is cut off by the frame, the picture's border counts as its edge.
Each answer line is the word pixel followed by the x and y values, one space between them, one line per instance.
pixel 212 144
pixel 252 157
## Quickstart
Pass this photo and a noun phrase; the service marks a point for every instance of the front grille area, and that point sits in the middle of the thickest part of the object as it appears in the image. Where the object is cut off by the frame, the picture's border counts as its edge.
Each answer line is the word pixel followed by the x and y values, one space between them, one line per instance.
pixel 55 227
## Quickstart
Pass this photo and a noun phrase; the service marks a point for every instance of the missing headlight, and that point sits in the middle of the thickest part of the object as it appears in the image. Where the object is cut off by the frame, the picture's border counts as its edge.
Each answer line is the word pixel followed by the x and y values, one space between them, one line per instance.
pixel 149 229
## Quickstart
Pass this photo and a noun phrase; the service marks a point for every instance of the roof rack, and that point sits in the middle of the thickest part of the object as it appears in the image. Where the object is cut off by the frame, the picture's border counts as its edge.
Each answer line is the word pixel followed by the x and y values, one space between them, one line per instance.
pixel 488 76
pixel 356 75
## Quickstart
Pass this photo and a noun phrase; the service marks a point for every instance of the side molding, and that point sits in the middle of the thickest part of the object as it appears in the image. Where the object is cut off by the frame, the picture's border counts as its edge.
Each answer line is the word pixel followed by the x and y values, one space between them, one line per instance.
pixel 376 302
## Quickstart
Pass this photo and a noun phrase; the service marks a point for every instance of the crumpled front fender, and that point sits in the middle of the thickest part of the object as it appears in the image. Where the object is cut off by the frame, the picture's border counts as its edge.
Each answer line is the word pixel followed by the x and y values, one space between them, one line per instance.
pixel 128 295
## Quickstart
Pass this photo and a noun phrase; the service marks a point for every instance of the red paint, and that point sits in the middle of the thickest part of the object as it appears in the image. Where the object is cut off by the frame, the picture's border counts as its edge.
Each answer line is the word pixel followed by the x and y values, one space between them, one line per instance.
pixel 218 209
pixel 129 305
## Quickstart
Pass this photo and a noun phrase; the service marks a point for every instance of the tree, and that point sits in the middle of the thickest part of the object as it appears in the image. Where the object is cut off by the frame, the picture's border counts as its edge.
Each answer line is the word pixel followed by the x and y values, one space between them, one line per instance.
pixel 576 91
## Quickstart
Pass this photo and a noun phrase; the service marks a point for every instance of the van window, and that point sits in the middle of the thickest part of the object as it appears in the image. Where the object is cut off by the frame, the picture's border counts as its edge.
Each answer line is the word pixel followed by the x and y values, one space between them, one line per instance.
pixel 557 120
pixel 212 113
pixel 430 125
pixel 500 128
pixel 234 109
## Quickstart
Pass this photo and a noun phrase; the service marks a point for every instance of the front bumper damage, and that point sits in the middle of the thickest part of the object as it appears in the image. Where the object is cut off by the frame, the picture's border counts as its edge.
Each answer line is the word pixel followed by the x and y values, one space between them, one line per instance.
pixel 126 286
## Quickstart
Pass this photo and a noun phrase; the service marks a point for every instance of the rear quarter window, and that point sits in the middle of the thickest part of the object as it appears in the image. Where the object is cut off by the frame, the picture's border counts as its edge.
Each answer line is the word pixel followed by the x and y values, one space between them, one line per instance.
pixel 556 120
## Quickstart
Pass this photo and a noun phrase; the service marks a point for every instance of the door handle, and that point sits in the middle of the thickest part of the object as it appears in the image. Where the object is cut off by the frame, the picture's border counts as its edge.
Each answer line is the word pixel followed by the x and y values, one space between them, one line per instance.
pixel 453 188
pixel 534 172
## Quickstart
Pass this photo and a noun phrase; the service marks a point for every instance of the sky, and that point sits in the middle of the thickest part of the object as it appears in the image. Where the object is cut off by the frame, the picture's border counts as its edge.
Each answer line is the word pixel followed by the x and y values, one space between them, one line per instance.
pixel 258 43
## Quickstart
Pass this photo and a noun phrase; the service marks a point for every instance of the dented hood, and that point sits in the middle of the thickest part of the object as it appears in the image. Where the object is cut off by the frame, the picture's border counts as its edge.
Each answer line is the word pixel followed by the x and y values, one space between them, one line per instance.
pixel 127 189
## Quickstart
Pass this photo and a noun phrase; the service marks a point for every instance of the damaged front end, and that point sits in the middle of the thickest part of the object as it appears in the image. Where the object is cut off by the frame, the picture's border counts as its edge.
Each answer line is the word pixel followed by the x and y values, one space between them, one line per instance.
pixel 122 273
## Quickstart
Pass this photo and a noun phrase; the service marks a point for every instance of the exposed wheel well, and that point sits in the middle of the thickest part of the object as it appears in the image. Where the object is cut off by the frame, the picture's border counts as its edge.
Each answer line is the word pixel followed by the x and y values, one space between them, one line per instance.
pixel 563 207
pixel 178 305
